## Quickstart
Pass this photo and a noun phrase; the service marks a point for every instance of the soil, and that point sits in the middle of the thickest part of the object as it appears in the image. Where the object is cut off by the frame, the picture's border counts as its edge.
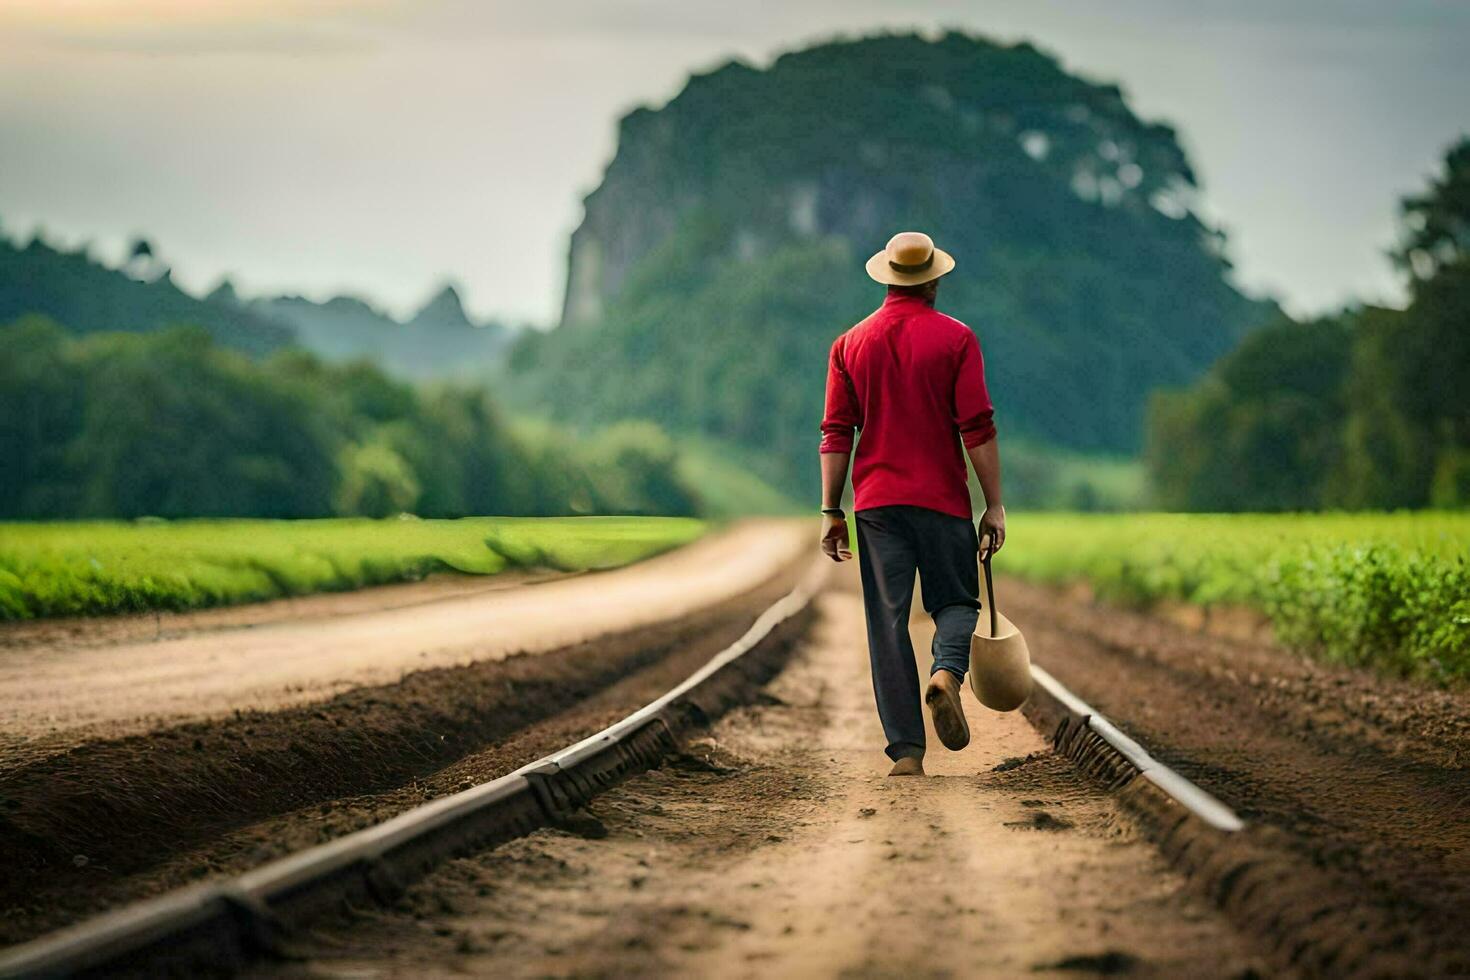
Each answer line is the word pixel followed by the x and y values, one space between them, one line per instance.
pixel 1365 777
pixel 55 694
pixel 111 820
pixel 777 847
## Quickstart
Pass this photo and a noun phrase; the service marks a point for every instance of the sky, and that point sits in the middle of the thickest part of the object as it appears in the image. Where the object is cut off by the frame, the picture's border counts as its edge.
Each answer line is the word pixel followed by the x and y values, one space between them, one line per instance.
pixel 383 147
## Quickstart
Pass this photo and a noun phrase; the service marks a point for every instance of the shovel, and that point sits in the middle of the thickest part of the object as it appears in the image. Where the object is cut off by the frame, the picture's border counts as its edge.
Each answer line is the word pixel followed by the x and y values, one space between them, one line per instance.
pixel 1000 664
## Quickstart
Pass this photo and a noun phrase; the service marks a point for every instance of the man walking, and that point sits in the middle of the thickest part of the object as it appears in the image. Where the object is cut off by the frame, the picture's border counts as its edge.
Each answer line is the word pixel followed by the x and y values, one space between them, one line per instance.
pixel 913 381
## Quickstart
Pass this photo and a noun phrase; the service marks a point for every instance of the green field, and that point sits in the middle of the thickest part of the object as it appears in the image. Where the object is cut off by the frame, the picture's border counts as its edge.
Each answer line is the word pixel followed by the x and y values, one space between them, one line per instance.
pixel 110 567
pixel 1390 590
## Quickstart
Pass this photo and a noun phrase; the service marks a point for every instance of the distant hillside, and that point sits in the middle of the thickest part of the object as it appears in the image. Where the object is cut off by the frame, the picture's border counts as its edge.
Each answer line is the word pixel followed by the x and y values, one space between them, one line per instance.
pixel 86 296
pixel 439 341
pixel 723 250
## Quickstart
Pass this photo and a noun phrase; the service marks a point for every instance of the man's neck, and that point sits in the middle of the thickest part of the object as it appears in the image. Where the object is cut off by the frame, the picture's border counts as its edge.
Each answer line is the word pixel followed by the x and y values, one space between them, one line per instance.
pixel 902 297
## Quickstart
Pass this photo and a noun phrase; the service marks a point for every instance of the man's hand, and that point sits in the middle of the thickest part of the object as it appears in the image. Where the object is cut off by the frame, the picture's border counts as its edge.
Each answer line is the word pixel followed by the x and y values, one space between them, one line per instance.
pixel 992 530
pixel 835 543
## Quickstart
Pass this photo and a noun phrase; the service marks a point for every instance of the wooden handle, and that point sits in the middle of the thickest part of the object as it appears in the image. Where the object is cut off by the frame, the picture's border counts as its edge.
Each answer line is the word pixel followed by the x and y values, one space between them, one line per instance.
pixel 989 588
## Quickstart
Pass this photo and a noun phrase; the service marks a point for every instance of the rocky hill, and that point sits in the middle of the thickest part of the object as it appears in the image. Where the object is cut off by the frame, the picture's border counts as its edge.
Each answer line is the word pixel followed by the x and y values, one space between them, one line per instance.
pixel 723 250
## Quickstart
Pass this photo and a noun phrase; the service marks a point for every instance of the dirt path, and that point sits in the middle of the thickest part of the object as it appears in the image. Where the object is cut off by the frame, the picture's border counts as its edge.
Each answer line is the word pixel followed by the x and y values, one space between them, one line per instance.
pixel 77 632
pixel 1366 777
pixel 54 694
pixel 114 820
pixel 778 848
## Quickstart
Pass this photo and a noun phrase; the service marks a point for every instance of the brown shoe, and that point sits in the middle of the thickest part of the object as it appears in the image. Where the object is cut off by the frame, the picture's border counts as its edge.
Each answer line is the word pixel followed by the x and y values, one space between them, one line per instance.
pixel 909 765
pixel 943 699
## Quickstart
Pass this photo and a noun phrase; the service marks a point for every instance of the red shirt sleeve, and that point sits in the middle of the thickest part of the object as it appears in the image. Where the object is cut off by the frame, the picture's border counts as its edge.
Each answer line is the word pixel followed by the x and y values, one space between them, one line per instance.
pixel 841 417
pixel 972 409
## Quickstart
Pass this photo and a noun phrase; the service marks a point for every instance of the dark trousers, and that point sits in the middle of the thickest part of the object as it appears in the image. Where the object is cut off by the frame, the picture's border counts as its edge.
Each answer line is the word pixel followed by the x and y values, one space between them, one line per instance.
pixel 893 544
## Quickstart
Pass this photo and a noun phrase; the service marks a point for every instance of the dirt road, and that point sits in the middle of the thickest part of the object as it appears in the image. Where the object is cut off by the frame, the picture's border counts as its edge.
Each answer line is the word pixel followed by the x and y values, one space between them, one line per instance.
pixel 151 813
pixel 778 848
pixel 57 693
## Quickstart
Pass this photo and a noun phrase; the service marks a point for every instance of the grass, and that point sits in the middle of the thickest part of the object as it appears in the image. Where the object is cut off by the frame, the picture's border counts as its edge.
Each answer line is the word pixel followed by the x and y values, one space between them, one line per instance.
pixel 88 568
pixel 726 478
pixel 1047 477
pixel 1389 590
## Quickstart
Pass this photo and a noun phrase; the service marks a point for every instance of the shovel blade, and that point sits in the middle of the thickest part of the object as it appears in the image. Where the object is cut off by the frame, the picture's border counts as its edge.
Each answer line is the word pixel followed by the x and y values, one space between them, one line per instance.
pixel 1000 667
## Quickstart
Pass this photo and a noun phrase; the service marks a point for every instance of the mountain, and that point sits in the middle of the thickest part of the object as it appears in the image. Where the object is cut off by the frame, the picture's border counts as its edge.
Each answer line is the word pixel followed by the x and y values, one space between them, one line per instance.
pixel 86 296
pixel 722 252
pixel 442 337
pixel 439 341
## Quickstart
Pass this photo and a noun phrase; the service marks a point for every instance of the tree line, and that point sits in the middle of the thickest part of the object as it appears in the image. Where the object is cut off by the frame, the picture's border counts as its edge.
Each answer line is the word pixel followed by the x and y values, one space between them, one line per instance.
pixel 1366 409
pixel 170 424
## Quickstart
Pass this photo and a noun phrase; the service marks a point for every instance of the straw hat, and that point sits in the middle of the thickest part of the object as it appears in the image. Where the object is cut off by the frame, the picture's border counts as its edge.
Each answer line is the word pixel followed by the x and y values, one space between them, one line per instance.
pixel 910 259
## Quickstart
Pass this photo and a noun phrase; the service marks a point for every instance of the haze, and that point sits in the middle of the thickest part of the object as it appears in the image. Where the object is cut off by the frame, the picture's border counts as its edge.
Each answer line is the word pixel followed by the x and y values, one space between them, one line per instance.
pixel 382 146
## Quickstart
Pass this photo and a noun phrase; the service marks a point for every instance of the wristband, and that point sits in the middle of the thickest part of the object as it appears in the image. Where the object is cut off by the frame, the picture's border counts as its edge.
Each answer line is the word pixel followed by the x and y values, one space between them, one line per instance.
pixel 836 512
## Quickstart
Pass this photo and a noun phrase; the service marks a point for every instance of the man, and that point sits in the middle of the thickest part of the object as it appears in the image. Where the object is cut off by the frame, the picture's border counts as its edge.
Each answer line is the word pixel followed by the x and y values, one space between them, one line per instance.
pixel 913 381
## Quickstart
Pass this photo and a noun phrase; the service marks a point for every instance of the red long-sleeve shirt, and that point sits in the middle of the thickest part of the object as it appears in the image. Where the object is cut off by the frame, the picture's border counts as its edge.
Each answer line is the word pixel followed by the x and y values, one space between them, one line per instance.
pixel 913 380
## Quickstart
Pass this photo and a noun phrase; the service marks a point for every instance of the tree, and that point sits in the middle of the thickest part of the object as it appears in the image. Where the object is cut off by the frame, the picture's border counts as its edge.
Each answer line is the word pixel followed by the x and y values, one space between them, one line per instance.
pixel 1437 222
pixel 1262 430
pixel 1409 391
pixel 376 482
pixel 167 424
pixel 1371 409
pixel 41 398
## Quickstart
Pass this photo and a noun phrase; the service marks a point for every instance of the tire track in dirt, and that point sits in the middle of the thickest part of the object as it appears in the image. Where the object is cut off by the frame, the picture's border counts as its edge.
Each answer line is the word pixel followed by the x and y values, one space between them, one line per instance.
pixel 778 847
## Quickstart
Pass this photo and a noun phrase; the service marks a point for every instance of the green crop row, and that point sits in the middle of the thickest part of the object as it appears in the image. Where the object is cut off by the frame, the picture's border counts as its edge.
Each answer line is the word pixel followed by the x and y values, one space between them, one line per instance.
pixel 1387 590
pixel 86 568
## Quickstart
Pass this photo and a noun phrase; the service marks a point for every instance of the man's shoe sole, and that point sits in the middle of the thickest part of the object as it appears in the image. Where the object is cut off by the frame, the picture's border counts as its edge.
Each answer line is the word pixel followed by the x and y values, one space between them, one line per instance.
pixel 949 717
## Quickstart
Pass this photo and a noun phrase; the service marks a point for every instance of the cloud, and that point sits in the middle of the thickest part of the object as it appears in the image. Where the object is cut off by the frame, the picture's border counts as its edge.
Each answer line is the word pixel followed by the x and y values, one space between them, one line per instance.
pixel 177 27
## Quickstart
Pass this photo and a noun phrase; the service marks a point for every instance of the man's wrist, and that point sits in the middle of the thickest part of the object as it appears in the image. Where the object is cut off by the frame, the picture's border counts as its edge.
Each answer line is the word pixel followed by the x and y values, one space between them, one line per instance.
pixel 834 512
